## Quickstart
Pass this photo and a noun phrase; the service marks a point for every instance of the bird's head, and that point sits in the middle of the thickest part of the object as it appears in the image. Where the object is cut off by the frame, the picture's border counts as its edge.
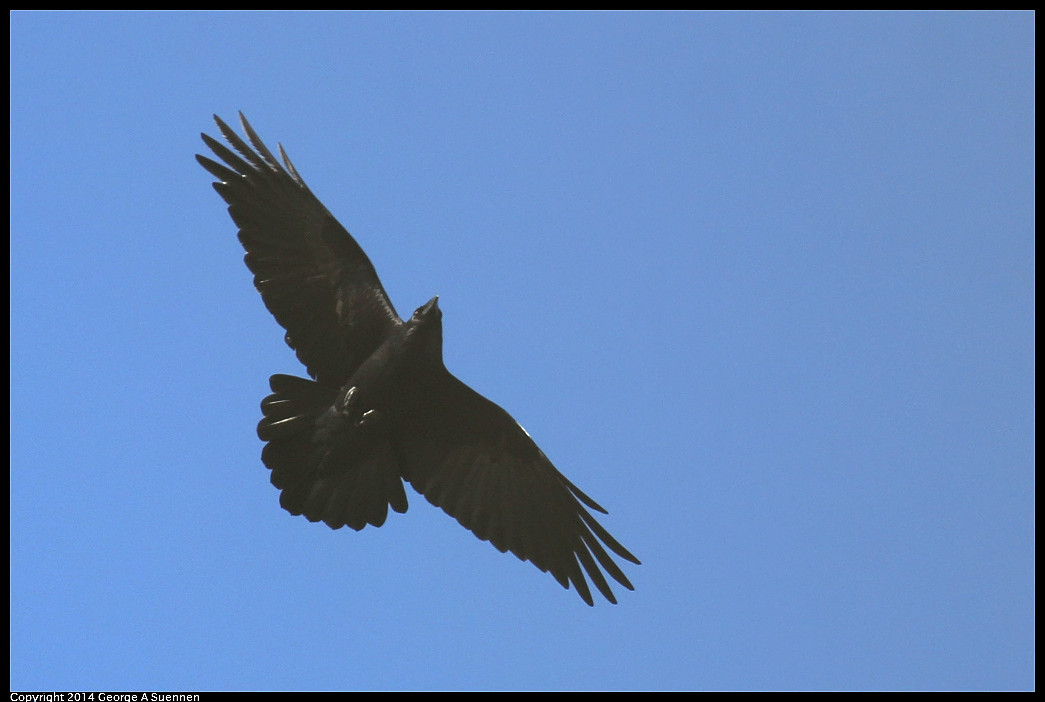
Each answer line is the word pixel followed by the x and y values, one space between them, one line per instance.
pixel 429 310
pixel 425 329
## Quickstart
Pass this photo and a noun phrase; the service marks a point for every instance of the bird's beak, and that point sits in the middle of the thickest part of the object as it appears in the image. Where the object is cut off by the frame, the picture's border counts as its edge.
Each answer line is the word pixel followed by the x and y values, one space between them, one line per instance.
pixel 432 304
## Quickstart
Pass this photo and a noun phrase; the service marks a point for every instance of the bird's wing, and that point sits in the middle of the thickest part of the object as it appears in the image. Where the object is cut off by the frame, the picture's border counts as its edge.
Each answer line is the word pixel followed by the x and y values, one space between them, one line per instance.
pixel 314 278
pixel 468 456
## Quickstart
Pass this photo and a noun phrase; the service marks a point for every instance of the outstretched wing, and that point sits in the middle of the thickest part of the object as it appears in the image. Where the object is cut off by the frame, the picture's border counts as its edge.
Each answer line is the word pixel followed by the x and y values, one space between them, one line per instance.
pixel 468 456
pixel 312 275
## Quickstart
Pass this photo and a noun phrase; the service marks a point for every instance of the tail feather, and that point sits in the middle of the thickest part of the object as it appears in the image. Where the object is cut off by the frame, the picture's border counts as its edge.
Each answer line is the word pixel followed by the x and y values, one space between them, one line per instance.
pixel 344 474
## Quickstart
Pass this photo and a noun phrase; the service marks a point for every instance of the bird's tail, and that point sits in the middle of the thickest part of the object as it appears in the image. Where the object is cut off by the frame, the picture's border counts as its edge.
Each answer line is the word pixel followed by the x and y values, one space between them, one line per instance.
pixel 328 468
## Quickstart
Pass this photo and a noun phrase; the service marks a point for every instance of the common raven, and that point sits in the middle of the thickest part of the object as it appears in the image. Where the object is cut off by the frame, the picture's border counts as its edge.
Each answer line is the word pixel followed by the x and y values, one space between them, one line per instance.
pixel 381 406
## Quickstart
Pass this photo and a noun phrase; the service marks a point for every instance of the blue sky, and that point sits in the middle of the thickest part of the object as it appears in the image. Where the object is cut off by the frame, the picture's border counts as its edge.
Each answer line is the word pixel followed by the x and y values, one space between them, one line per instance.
pixel 761 284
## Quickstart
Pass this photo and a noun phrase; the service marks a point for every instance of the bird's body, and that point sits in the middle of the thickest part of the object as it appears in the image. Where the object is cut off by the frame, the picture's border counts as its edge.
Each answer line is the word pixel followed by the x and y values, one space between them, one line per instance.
pixel 381 406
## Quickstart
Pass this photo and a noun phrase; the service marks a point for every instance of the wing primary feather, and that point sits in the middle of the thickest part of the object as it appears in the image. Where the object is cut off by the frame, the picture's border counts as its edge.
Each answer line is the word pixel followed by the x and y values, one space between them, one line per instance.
pixel 579 583
pixel 604 560
pixel 248 153
pixel 607 539
pixel 290 166
pixel 581 496
pixel 259 145
pixel 594 573
pixel 217 170
pixel 238 164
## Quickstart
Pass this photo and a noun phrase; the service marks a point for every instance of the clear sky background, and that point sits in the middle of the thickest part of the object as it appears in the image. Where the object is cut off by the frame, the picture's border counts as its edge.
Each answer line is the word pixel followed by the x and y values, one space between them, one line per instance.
pixel 761 284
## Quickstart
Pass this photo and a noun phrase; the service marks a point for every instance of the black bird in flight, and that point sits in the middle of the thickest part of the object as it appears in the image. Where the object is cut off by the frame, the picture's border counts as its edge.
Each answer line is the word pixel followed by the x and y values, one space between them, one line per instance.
pixel 381 406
